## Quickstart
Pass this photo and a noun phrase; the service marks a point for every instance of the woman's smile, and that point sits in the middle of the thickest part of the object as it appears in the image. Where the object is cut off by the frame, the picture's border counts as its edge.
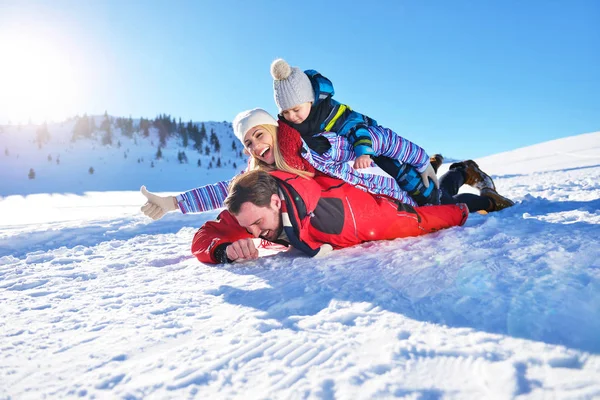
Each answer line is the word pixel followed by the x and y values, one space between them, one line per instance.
pixel 259 143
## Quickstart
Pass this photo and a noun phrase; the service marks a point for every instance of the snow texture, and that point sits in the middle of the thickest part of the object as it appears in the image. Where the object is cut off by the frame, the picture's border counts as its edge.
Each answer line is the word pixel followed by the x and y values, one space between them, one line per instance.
pixel 97 301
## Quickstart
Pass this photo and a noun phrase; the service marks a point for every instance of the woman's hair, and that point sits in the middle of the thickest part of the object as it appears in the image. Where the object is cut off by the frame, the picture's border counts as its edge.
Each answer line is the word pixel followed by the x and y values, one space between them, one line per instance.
pixel 280 163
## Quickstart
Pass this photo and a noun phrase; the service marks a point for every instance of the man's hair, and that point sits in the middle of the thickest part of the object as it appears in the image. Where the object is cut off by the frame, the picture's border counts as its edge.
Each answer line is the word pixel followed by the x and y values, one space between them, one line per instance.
pixel 255 187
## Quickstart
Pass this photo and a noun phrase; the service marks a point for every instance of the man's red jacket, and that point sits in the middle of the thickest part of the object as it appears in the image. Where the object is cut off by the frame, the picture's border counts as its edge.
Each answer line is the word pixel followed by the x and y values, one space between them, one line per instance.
pixel 326 210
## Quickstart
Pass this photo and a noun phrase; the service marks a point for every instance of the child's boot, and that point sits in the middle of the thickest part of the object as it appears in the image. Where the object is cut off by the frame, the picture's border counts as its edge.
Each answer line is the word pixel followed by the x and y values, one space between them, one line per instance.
pixel 436 160
pixel 474 176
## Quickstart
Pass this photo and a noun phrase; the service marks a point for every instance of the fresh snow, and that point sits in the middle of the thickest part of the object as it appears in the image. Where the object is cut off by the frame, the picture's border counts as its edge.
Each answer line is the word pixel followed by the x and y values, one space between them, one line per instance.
pixel 97 301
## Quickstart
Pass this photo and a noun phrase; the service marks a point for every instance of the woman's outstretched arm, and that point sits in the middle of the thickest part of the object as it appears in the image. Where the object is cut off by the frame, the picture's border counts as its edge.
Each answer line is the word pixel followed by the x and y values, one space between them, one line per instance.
pixel 203 198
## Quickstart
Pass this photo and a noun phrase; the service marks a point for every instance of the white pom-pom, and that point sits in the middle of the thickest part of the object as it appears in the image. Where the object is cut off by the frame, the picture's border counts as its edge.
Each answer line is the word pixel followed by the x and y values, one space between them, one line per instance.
pixel 280 69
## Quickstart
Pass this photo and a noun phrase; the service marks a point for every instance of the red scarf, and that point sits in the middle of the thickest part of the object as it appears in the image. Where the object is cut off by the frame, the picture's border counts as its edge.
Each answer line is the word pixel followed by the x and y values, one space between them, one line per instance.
pixel 290 145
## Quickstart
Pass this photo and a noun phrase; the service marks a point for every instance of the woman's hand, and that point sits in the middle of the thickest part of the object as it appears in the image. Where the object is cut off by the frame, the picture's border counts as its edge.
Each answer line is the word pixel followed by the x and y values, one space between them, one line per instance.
pixel 363 161
pixel 157 206
pixel 430 173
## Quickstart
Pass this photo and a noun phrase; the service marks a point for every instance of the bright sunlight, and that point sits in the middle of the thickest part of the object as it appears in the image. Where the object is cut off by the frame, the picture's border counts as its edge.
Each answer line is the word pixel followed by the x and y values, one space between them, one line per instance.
pixel 37 81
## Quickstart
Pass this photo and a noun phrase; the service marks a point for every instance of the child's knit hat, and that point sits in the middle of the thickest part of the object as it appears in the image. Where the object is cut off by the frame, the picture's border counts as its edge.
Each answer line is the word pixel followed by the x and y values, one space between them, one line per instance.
pixel 291 86
pixel 247 120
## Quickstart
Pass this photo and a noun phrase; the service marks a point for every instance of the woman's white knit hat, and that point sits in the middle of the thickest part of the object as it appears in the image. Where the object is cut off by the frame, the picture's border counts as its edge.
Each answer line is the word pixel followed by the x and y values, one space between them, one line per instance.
pixel 248 119
pixel 291 85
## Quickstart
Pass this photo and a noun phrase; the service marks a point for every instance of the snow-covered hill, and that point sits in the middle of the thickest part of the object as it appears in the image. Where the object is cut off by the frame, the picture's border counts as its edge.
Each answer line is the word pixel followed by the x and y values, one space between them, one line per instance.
pixel 63 166
pixel 97 301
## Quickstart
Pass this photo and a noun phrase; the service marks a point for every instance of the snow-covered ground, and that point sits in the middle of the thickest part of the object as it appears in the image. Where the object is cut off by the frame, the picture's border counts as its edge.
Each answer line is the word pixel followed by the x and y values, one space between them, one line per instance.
pixel 97 301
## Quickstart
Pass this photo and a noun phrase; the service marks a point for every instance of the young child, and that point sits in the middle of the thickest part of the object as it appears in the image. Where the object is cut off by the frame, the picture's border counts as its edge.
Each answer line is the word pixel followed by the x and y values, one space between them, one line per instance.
pixel 305 102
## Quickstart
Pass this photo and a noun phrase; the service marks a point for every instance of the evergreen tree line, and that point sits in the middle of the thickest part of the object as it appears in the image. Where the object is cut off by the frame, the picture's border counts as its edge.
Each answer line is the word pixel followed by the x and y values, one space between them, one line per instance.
pixel 166 126
pixel 85 127
pixel 189 133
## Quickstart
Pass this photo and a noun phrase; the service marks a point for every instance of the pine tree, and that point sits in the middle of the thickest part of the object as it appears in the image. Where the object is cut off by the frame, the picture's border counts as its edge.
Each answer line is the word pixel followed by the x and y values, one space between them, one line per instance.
pixel 129 126
pixel 194 134
pixel 42 135
pixel 158 153
pixel 91 171
pixel 31 174
pixel 163 124
pixel 145 127
pixel 84 127
pixel 214 141
pixel 106 127
pixel 202 132
pixel 183 132
pixel 182 157
pixel 92 125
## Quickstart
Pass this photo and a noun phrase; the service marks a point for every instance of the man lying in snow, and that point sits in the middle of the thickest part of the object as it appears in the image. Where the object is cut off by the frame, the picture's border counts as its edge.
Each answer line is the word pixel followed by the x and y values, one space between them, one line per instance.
pixel 314 215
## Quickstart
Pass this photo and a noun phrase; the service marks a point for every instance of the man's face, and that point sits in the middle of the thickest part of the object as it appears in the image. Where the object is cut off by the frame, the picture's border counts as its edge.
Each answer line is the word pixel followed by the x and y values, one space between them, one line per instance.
pixel 262 222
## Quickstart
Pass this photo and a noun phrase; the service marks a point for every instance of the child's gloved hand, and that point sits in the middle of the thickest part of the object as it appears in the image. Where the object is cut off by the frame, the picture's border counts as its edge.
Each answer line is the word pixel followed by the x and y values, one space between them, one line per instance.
pixel 430 173
pixel 157 206
pixel 363 161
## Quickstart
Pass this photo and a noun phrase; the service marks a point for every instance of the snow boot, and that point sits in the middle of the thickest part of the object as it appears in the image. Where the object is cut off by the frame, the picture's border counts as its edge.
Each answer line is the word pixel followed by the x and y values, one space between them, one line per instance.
pixel 474 176
pixel 436 160
pixel 498 202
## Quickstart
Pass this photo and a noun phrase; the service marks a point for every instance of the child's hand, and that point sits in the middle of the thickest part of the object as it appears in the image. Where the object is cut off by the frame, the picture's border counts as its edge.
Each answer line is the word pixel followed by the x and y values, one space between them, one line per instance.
pixel 430 173
pixel 363 161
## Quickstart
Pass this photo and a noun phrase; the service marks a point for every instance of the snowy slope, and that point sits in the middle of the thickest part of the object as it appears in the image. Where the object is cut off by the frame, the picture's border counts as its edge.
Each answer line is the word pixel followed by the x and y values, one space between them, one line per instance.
pixel 121 166
pixel 96 301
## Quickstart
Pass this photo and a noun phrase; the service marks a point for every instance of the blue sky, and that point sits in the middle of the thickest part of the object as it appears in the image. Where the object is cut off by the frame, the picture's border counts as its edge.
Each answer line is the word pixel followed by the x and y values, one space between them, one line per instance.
pixel 464 78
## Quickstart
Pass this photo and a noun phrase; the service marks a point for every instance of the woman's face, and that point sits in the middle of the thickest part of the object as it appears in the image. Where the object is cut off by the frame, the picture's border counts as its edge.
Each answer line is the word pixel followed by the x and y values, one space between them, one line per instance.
pixel 259 143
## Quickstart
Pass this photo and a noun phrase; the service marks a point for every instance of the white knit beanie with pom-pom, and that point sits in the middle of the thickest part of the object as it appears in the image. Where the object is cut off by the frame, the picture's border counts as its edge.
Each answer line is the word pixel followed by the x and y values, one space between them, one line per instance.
pixel 247 120
pixel 291 85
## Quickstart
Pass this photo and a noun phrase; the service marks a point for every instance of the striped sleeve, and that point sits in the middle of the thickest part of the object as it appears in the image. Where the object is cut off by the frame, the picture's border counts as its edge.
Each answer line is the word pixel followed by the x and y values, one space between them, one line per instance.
pixel 389 144
pixel 204 198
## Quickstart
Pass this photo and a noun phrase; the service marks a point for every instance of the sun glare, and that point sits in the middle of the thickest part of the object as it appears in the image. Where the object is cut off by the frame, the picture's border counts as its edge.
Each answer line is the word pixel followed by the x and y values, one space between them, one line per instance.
pixel 37 81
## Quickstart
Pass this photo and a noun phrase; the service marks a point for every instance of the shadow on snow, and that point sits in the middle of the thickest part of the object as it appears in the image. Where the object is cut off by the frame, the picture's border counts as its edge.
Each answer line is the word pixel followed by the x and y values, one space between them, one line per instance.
pixel 516 276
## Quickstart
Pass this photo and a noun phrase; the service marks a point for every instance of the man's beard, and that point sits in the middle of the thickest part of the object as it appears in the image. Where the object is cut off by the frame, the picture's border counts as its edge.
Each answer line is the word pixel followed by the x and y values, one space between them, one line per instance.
pixel 274 234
